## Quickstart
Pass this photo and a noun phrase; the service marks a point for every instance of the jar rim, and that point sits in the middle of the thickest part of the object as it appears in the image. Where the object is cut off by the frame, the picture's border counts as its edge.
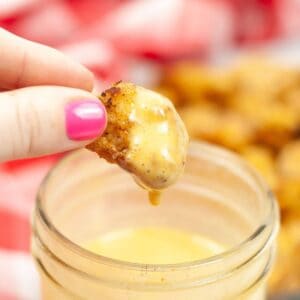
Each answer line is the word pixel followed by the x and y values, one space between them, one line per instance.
pixel 228 159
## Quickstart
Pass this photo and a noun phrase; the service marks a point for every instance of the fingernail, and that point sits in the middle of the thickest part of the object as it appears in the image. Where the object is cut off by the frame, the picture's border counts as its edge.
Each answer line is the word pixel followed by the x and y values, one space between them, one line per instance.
pixel 85 119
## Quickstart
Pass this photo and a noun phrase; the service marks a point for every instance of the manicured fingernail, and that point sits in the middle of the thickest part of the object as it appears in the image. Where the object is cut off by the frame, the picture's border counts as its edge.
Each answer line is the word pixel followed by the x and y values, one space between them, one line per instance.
pixel 85 119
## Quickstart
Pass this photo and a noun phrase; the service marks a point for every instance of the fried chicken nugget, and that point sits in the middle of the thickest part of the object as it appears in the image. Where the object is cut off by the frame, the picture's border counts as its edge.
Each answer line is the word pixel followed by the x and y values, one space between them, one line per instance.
pixel 289 194
pixel 285 276
pixel 288 164
pixel 201 121
pixel 194 82
pixel 145 135
pixel 292 99
pixel 168 92
pixel 277 125
pixel 262 160
pixel 275 122
pixel 234 131
pixel 289 160
pixel 260 76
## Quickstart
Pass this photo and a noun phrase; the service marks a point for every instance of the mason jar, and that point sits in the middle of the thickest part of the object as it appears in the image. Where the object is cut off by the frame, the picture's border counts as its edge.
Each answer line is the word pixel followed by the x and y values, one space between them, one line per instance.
pixel 219 197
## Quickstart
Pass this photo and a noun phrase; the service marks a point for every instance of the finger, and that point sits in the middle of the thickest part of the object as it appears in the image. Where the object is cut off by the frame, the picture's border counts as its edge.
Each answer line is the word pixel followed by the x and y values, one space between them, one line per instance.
pixel 24 63
pixel 47 119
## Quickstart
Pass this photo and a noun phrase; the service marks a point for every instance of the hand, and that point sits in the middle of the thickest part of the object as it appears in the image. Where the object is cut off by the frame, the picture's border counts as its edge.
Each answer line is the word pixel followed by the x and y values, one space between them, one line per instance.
pixel 46 105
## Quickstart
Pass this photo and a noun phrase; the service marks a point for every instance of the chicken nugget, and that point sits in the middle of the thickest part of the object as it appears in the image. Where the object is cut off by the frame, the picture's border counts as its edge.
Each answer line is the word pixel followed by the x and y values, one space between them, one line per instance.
pixel 234 131
pixel 201 121
pixel 261 158
pixel 258 75
pixel 145 135
pixel 195 83
pixel 288 162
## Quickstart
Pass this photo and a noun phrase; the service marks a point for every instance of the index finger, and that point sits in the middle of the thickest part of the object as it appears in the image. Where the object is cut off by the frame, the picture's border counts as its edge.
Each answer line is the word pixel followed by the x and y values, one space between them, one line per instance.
pixel 25 63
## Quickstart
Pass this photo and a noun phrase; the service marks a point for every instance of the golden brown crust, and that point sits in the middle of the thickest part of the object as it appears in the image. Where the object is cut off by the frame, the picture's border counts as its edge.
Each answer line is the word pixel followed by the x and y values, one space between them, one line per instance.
pixel 114 143
pixel 137 138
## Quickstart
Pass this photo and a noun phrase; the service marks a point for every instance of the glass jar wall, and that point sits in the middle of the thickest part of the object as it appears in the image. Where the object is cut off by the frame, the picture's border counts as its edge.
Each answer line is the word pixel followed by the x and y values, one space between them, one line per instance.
pixel 219 197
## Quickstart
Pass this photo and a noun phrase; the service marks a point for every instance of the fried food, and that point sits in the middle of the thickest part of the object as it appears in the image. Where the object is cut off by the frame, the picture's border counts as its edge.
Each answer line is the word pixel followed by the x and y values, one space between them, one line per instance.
pixel 292 100
pixel 288 165
pixel 260 76
pixel 276 125
pixel 253 108
pixel 201 121
pixel 261 158
pixel 145 136
pixel 286 275
pixel 195 83
pixel 168 93
pixel 234 133
pixel 289 160
pixel 289 194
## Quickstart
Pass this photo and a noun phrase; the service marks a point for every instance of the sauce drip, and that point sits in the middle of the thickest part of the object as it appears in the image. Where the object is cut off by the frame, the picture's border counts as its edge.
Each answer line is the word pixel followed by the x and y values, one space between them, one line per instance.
pixel 154 197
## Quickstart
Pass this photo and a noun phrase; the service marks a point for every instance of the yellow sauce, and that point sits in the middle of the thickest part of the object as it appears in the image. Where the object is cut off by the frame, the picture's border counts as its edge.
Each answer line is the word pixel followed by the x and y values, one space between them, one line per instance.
pixel 158 142
pixel 145 136
pixel 154 197
pixel 154 245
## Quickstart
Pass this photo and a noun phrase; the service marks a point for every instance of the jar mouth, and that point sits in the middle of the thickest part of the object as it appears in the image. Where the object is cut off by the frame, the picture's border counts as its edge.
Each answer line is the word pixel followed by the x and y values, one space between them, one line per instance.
pixel 226 158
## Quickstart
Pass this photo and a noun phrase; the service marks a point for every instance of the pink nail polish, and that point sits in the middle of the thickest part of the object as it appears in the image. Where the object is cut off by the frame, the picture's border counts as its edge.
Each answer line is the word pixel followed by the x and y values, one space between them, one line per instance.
pixel 85 119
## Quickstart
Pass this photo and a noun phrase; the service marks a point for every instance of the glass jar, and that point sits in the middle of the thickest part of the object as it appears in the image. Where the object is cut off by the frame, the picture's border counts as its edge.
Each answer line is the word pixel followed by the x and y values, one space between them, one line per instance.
pixel 219 197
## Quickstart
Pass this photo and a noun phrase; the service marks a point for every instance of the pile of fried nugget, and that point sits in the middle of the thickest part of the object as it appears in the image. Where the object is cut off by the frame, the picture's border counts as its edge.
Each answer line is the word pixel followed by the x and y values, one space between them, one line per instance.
pixel 253 108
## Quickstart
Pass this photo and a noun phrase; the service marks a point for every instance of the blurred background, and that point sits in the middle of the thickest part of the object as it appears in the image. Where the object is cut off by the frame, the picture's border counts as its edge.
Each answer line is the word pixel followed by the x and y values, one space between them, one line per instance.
pixel 232 68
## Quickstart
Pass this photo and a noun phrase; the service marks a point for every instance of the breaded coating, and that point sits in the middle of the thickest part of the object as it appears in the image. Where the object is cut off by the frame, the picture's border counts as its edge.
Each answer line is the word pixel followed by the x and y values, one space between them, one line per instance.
pixel 145 136
pixel 261 158
pixel 114 144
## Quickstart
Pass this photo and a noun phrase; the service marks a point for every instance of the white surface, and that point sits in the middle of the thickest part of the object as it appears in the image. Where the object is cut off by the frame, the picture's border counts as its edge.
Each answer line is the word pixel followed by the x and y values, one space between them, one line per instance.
pixel 18 276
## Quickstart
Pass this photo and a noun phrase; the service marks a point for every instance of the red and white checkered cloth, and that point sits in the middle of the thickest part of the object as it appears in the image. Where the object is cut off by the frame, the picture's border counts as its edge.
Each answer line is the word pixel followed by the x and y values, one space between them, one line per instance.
pixel 19 278
pixel 18 185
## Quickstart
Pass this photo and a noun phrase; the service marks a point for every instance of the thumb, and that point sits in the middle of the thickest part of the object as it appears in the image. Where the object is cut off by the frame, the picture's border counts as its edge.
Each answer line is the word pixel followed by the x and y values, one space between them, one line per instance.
pixel 47 119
